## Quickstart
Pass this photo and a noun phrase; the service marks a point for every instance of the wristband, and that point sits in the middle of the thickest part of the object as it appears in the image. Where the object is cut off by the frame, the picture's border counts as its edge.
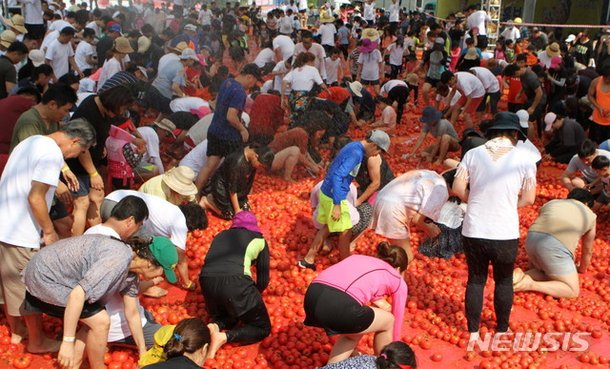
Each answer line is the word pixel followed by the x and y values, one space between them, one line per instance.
pixel 69 339
pixel 65 169
pixel 94 174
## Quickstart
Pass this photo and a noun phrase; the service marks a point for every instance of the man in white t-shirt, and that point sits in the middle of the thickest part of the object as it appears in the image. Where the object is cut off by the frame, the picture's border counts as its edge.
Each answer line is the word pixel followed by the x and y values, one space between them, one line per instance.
pixel 188 104
pixel 167 220
pixel 205 16
pixel 196 158
pixel 283 47
pixel 32 12
pixel 492 89
pixel 328 34
pixel 265 59
pixel 285 24
pixel 512 31
pixel 472 91
pixel 394 11
pixel 477 18
pixel 369 12
pixel 86 55
pixel 581 162
pixel 26 194
pixel 60 54
pixel 307 45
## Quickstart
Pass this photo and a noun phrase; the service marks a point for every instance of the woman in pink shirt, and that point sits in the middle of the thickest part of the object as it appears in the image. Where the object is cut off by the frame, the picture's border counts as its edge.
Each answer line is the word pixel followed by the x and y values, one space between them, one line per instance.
pixel 337 300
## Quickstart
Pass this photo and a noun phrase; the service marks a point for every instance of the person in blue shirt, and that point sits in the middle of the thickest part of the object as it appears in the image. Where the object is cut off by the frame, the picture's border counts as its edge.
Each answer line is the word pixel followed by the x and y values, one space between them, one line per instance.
pixel 333 210
pixel 227 132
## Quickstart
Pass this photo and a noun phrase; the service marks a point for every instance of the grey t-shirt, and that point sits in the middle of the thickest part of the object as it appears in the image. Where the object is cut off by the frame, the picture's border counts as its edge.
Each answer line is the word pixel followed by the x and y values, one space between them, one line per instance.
pixel 571 133
pixel 443 127
pixel 530 83
pixel 169 73
pixel 577 165
pixel 98 263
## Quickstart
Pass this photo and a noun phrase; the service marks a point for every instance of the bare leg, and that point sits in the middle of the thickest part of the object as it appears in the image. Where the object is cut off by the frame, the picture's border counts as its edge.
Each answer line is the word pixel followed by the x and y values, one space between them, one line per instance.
pixel 207 202
pixel 37 342
pixel 316 244
pixel 17 327
pixel 182 267
pixel 425 92
pixel 447 143
pixel 382 326
pixel 97 338
pixel 63 226
pixel 468 120
pixel 206 172
pixel 81 205
pixel 344 238
pixel 286 159
pixel 565 286
pixel 96 197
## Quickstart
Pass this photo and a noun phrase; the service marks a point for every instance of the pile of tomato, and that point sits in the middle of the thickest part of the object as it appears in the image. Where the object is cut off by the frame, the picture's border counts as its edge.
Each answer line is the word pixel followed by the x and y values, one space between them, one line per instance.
pixel 434 325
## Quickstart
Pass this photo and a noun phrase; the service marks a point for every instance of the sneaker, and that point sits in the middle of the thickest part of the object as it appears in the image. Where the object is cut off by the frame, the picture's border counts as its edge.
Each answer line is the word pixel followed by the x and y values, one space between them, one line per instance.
pixel 304 264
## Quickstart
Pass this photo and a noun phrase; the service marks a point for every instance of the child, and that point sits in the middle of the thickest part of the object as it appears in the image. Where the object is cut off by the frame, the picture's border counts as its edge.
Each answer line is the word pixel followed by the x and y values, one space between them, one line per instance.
pixel 470 56
pixel 334 72
pixel 509 51
pixel 601 166
pixel 396 52
pixel 500 51
pixel 449 241
pixel 387 121
pixel 353 60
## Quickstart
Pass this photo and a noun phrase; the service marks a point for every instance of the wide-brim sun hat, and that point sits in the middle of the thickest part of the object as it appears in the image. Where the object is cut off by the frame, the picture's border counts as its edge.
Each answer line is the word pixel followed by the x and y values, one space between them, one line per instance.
pixel 430 115
pixel 327 18
pixel 180 46
pixel 412 79
pixel 122 45
pixel 7 38
pixel 143 44
pixel 370 34
pixel 553 50
pixel 507 121
pixel 180 180
pixel 356 88
pixel 166 125
pixel 17 22
pixel 367 46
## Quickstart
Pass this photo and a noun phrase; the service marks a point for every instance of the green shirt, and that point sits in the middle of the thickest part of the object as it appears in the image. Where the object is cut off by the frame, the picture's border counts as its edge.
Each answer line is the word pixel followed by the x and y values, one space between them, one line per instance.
pixel 29 124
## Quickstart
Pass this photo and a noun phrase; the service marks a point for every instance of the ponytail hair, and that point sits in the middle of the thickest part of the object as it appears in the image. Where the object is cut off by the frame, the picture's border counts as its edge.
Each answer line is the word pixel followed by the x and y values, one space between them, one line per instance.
pixel 393 255
pixel 189 336
pixel 396 355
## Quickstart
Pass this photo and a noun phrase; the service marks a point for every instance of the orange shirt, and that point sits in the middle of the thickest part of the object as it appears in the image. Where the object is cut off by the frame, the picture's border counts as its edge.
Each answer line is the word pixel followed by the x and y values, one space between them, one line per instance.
pixel 603 99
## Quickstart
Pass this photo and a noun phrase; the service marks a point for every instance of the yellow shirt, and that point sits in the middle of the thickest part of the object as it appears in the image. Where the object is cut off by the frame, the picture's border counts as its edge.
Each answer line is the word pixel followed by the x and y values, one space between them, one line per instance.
pixel 156 187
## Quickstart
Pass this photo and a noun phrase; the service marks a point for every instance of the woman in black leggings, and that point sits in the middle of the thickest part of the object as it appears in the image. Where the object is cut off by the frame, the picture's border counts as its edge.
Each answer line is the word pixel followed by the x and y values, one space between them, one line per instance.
pixel 495 179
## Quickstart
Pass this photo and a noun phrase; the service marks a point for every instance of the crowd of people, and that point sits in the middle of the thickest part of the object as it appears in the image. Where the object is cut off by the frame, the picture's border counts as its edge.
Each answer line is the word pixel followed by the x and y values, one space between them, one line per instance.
pixel 124 128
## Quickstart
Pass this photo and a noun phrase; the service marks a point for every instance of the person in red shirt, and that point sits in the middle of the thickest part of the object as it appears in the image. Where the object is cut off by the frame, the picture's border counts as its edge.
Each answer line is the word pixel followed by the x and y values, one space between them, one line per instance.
pixel 11 109
pixel 266 117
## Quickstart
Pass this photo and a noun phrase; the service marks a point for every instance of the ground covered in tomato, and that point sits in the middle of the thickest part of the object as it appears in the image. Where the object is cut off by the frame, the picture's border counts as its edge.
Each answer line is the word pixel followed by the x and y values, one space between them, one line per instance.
pixel 434 326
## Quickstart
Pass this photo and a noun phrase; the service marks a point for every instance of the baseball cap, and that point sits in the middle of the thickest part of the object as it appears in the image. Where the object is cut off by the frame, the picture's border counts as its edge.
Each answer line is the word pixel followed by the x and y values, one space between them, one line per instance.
pixel 190 27
pixel 549 119
pixel 115 28
pixel 253 70
pixel 380 138
pixel 166 255
pixel 187 54
pixel 524 118
pixel 439 40
pixel 571 38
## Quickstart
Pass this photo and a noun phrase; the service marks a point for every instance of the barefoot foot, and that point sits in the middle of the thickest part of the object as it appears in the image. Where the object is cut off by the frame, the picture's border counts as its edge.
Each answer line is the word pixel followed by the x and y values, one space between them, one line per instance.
pixel 156 292
pixel 518 275
pixel 524 284
pixel 218 339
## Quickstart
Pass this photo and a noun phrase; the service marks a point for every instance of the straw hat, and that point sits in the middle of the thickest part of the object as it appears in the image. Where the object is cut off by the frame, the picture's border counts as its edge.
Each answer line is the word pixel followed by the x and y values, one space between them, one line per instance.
pixel 167 125
pixel 371 34
pixel 180 179
pixel 327 18
pixel 180 46
pixel 553 49
pixel 412 79
pixel 122 45
pixel 143 44
pixel 17 22
pixel 7 38
pixel 356 88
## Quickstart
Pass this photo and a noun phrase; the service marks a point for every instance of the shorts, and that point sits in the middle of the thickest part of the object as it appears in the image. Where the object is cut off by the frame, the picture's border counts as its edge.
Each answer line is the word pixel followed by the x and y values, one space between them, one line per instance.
pixel 154 99
pixel 432 81
pixel 391 219
pixel 548 254
pixel 35 305
pixel 149 329
pixel 84 185
pixel 14 260
pixel 325 208
pixel 58 210
pixel 603 198
pixel 335 311
pixel 221 147
pixel 36 30
pixel 370 83
pixel 474 103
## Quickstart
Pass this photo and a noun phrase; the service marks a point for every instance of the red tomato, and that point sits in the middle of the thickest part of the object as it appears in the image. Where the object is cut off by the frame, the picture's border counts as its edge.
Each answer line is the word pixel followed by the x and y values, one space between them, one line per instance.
pixel 22 362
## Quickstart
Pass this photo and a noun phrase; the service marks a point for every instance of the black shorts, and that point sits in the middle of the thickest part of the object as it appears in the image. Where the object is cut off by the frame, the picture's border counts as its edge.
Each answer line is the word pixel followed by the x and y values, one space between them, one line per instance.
pixel 370 83
pixel 155 100
pixel 399 94
pixel 84 185
pixel 58 210
pixel 221 147
pixel 34 304
pixel 36 30
pixel 335 311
